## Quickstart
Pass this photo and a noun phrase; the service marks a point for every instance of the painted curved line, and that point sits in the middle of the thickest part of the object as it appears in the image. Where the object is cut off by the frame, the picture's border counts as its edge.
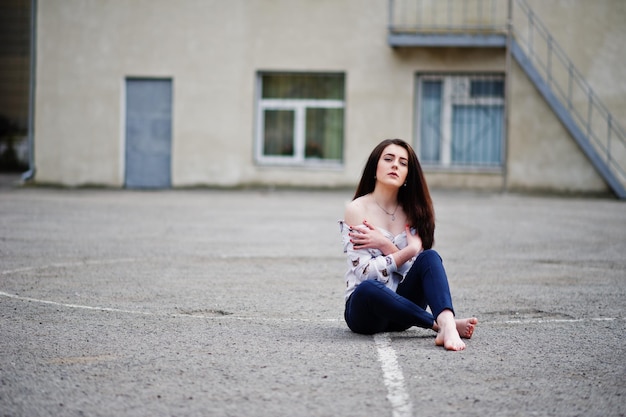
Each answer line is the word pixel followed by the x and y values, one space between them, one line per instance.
pixel 68 264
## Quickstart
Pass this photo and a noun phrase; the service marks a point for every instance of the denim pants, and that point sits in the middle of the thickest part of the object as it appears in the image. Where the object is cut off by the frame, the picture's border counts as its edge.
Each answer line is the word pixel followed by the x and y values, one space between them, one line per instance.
pixel 374 308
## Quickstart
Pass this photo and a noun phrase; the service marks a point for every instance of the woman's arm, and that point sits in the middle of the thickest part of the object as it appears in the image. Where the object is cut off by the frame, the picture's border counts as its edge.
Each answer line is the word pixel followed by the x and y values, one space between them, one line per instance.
pixel 368 237
pixel 365 264
pixel 412 249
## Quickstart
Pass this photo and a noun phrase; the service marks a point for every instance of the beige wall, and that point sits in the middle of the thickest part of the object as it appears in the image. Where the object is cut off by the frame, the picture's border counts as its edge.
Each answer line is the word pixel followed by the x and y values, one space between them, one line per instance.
pixel 213 49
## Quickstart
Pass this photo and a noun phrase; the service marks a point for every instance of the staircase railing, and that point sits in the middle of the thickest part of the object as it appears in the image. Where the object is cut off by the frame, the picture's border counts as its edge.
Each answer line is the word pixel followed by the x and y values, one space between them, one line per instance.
pixel 604 133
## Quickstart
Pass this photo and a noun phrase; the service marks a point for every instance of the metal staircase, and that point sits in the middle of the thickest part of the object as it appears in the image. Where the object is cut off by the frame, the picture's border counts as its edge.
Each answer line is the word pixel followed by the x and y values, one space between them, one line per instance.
pixel 512 24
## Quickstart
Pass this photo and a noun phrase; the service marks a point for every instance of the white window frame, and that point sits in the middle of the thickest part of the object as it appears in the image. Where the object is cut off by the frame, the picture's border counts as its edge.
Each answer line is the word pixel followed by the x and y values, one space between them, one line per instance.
pixel 452 96
pixel 298 106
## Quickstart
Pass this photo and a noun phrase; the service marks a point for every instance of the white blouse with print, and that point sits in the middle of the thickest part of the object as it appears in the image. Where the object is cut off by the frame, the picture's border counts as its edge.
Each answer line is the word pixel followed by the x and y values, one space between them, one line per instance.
pixel 364 264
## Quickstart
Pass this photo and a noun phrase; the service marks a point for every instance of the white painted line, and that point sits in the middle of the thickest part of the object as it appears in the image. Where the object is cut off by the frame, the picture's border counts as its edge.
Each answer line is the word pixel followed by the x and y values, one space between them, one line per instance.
pixel 68 264
pixel 540 321
pixel 150 313
pixel 301 319
pixel 83 307
pixel 397 395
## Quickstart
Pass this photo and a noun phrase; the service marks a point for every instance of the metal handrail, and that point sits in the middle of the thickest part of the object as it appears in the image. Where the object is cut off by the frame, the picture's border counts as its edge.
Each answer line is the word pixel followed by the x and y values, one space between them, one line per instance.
pixel 604 132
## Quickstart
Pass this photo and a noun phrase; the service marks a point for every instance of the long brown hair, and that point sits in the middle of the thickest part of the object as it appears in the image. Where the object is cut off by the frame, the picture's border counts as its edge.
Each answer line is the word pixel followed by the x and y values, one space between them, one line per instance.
pixel 414 197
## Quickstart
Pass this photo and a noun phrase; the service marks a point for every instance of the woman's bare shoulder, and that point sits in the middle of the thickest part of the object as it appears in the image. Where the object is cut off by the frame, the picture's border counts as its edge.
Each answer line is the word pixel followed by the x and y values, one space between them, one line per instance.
pixel 356 211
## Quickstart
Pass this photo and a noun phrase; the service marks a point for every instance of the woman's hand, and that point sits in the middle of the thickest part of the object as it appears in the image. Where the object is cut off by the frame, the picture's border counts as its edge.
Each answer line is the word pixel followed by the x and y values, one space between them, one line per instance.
pixel 369 237
pixel 414 240
pixel 413 248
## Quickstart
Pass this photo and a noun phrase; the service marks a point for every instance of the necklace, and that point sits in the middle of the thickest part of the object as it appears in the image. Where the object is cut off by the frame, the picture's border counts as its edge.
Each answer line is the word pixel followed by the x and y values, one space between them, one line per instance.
pixel 393 215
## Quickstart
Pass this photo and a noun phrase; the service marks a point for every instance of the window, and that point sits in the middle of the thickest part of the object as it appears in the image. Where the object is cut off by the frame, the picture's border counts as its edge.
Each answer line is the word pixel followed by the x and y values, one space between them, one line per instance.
pixel 460 120
pixel 300 119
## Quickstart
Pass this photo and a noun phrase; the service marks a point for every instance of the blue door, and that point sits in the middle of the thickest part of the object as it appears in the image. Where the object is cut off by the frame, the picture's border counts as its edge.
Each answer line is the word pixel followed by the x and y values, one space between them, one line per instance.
pixel 148 133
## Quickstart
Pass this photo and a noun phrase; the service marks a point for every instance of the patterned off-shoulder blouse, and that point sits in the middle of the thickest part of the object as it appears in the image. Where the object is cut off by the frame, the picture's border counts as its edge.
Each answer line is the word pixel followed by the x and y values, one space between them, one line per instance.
pixel 366 264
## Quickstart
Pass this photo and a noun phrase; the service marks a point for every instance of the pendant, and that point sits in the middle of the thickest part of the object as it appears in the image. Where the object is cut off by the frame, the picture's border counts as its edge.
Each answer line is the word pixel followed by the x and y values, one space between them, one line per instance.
pixel 393 217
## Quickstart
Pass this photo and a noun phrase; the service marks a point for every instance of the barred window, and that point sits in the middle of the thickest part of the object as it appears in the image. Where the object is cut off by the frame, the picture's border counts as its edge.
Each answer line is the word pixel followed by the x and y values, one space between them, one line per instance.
pixel 300 118
pixel 460 120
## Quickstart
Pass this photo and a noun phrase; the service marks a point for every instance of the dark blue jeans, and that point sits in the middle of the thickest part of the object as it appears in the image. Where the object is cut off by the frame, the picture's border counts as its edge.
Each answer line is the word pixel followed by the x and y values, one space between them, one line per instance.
pixel 374 308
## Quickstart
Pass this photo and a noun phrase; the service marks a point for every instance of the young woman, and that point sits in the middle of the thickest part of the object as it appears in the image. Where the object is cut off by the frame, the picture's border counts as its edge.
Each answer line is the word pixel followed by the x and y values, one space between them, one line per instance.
pixel 388 232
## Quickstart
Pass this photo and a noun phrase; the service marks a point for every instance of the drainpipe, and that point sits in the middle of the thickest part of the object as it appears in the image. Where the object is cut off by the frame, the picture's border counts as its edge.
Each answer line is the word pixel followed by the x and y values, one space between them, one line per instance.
pixel 30 174
pixel 507 89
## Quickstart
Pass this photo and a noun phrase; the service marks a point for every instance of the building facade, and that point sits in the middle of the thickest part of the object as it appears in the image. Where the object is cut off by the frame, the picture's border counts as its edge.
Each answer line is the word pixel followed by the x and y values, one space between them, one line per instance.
pixel 159 94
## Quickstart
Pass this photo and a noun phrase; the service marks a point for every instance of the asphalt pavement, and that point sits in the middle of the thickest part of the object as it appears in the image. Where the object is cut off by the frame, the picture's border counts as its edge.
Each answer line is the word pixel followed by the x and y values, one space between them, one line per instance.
pixel 229 303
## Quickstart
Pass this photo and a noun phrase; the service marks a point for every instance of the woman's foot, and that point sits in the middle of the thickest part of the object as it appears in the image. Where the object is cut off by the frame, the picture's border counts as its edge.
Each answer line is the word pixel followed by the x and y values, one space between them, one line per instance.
pixel 466 327
pixel 448 336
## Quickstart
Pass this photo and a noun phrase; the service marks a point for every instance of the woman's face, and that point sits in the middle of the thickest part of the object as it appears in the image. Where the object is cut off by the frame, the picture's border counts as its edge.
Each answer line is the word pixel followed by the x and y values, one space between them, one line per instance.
pixel 393 166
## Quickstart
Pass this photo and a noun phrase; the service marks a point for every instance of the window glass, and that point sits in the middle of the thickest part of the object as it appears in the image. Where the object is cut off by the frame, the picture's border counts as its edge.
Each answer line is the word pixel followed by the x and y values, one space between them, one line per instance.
pixel 485 88
pixel 323 87
pixel 278 132
pixel 476 135
pixel 430 127
pixel 324 130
